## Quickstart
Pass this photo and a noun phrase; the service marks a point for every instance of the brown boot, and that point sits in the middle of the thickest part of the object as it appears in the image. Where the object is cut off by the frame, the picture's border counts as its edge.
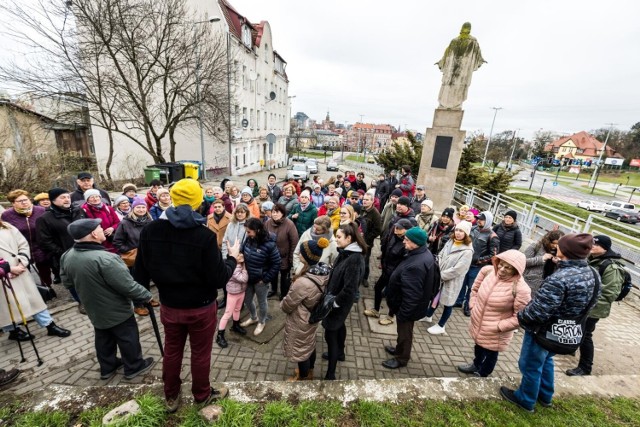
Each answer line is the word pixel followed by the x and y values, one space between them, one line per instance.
pixel 297 377
pixel 141 311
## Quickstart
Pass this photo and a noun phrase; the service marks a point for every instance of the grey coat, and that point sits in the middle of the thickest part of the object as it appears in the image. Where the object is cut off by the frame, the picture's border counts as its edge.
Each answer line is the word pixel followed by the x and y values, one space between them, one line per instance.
pixel 299 336
pixel 454 261
pixel 535 267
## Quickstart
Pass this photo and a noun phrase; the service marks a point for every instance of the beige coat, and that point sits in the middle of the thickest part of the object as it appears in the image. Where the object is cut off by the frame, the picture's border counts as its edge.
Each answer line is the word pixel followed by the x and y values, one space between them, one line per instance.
pixel 454 262
pixel 14 249
pixel 329 254
pixel 299 336
pixel 220 227
pixel 494 303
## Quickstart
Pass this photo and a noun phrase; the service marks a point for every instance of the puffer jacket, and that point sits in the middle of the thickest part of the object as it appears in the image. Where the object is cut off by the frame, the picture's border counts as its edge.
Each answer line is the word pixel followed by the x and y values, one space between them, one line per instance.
pixel 127 235
pixel 411 286
pixel 454 261
pixel 611 279
pixel 27 226
pixel 566 293
pixel 109 219
pixel 510 237
pixel 494 303
pixel 261 260
pixel 238 281
pixel 299 336
pixel 305 218
pixel 286 237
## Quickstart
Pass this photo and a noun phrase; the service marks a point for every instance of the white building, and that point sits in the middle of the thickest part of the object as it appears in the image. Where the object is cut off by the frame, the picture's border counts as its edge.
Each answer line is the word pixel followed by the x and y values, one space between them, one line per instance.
pixel 259 106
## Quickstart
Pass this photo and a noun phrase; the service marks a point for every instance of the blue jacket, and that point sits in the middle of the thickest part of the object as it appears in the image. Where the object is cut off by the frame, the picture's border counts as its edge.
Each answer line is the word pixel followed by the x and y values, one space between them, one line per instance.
pixel 261 260
pixel 566 293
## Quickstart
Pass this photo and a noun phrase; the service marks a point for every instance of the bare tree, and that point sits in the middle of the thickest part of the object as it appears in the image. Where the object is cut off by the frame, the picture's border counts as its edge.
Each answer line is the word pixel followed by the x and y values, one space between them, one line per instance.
pixel 144 68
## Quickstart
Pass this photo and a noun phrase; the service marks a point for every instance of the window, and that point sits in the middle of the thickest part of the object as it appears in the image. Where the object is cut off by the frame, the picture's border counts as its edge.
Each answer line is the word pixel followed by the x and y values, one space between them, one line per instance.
pixel 265 120
pixel 246 36
pixel 258 88
pixel 258 119
pixel 244 76
pixel 266 53
pixel 235 72
pixel 244 113
pixel 251 119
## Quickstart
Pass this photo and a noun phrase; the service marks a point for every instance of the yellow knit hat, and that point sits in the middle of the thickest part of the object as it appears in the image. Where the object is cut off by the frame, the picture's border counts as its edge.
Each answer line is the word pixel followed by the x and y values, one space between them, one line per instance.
pixel 187 191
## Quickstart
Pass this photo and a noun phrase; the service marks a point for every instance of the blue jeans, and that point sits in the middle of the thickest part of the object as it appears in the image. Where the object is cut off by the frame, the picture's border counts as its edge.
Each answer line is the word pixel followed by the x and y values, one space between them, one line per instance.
pixel 43 319
pixel 467 284
pixel 260 290
pixel 536 366
pixel 446 313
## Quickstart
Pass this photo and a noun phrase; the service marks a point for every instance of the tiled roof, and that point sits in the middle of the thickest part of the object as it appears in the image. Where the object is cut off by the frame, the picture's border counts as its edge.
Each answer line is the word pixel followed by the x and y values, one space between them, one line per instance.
pixel 586 144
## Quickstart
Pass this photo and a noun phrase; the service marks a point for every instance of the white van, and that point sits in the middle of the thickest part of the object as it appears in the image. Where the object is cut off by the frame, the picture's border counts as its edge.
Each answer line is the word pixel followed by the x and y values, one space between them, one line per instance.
pixel 624 206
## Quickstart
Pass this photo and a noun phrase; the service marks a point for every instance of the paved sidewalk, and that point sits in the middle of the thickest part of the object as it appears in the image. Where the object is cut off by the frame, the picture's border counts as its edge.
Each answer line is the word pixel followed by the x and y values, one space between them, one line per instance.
pixel 72 361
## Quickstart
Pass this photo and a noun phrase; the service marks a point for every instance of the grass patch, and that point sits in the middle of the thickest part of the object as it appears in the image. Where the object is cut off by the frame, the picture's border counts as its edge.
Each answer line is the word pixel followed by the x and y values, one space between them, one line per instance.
pixel 573 412
pixel 613 178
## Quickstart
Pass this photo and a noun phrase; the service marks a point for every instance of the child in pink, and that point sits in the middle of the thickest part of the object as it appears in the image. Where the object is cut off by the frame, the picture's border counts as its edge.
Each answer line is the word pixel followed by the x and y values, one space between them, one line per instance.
pixel 236 287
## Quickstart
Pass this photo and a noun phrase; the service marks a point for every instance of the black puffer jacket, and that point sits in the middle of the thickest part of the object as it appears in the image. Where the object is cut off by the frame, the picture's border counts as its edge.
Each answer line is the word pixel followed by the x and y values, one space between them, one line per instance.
pixel 348 272
pixel 510 237
pixel 127 234
pixel 411 286
pixel 51 229
pixel 262 260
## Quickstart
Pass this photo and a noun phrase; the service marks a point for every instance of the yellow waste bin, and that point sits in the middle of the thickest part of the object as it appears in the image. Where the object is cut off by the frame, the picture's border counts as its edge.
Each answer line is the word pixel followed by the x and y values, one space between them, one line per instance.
pixel 191 170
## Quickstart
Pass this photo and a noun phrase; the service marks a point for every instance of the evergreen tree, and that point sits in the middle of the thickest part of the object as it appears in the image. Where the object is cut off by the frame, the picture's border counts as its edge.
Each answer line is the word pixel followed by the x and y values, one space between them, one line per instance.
pixel 401 153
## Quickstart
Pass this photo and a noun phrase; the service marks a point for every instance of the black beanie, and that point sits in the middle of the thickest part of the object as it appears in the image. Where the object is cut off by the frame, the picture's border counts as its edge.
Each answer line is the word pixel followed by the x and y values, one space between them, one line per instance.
pixel 55 192
pixel 448 212
pixel 512 214
pixel 397 192
pixel 404 200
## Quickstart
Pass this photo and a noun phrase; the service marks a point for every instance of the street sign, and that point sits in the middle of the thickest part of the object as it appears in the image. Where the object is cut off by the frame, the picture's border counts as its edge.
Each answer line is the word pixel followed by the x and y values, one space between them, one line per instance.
pixel 245 123
pixel 271 138
pixel 555 183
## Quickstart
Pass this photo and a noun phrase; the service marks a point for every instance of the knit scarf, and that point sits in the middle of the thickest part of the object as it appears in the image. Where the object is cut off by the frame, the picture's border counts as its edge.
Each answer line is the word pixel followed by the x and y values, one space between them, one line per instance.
pixel 25 211
pixel 328 235
pixel 305 206
pixel 210 199
pixel 163 206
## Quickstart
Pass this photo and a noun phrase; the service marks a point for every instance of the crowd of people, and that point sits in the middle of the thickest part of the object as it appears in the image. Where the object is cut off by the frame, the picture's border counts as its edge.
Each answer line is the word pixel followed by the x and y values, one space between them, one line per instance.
pixel 296 242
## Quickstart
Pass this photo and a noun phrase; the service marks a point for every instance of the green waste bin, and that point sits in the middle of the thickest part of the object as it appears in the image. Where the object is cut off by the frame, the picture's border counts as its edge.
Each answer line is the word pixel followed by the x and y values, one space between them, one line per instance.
pixel 150 174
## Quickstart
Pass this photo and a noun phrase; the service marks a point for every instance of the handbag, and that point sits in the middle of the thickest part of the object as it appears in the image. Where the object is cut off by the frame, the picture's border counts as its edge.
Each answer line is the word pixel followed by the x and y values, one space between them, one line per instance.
pixel 129 257
pixel 564 335
pixel 322 309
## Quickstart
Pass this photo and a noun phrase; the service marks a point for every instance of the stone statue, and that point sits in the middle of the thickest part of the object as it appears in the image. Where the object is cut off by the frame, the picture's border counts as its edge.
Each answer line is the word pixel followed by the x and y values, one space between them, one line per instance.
pixel 460 60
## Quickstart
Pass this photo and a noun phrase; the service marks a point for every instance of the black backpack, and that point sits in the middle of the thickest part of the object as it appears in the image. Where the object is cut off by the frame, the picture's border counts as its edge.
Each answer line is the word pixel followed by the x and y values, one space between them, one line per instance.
pixel 626 283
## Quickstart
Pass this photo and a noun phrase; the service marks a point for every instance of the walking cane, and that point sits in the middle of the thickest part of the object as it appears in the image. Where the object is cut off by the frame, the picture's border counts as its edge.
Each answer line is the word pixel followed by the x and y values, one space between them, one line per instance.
pixel 154 322
pixel 6 284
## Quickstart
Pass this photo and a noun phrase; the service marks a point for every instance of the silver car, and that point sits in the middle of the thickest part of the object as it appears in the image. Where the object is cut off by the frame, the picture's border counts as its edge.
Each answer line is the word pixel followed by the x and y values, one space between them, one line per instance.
pixel 312 166
pixel 298 171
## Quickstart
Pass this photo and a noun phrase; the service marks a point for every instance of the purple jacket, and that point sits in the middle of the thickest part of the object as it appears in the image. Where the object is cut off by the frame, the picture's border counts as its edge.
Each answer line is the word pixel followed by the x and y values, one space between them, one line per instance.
pixel 27 226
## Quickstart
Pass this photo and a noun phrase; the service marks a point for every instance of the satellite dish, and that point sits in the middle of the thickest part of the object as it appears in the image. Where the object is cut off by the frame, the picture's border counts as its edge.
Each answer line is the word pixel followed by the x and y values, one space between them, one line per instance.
pixel 272 95
pixel 253 76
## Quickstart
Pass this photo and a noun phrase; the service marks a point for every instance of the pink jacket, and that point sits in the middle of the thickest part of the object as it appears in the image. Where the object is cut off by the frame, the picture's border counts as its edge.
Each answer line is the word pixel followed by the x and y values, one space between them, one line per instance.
pixel 237 284
pixel 494 303
pixel 109 219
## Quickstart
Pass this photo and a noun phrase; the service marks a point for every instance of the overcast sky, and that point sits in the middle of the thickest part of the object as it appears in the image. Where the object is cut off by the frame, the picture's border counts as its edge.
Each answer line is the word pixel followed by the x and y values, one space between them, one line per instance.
pixel 564 66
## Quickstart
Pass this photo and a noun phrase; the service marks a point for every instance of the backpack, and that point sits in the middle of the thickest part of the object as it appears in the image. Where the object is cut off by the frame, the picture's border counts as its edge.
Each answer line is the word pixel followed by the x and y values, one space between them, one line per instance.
pixel 626 282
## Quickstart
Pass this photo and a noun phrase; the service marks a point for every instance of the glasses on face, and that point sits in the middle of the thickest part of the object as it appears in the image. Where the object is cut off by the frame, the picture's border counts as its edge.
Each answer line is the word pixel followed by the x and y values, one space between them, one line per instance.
pixel 241 213
pixel 21 201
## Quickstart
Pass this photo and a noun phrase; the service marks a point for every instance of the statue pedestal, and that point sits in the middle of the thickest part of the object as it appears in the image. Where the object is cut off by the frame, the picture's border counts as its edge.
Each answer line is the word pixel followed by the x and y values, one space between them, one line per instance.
pixel 441 153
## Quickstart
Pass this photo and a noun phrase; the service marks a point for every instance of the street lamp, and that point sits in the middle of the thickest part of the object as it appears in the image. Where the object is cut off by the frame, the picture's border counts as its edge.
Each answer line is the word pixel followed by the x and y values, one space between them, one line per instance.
pixel 202 154
pixel 486 149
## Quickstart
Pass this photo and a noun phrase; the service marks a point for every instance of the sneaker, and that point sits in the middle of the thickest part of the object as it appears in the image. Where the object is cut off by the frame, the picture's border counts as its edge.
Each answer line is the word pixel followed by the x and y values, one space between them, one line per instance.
pixel 141 311
pixel 111 374
pixel 468 369
pixel 545 404
pixel 146 366
pixel 509 395
pixel 258 329
pixel 386 321
pixel 216 394
pixel 577 372
pixel 428 319
pixel 436 330
pixel 372 312
pixel 248 322
pixel 173 404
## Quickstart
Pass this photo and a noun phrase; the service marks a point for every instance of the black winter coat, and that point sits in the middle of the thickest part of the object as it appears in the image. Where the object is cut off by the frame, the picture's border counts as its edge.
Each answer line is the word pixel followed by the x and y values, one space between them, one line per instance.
pixel 393 254
pixel 127 235
pixel 261 260
pixel 412 285
pixel 51 228
pixel 510 237
pixel 347 273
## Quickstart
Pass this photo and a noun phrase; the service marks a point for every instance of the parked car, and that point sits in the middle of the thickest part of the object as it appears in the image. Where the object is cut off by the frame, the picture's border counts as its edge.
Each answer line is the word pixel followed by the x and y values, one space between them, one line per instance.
pixel 624 206
pixel 623 216
pixel 332 165
pixel 590 205
pixel 312 166
pixel 298 171
pixel 298 159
